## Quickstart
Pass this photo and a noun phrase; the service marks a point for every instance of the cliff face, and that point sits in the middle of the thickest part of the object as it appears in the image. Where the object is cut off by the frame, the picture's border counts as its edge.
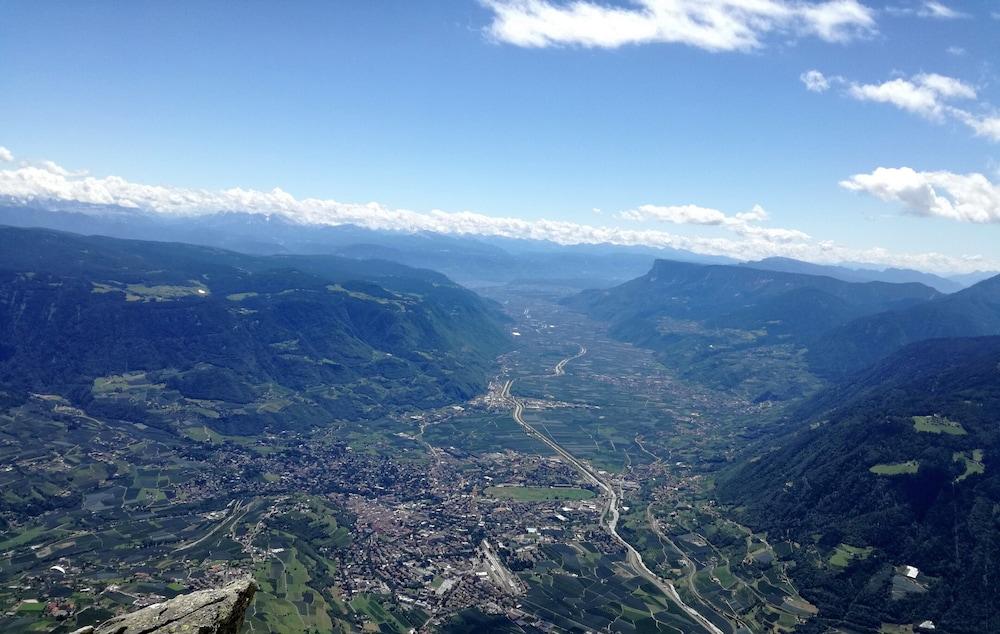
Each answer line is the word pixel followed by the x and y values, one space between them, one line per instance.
pixel 218 611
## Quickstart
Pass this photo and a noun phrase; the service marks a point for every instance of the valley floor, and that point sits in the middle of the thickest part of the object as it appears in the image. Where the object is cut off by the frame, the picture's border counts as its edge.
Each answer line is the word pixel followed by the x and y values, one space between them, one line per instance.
pixel 575 495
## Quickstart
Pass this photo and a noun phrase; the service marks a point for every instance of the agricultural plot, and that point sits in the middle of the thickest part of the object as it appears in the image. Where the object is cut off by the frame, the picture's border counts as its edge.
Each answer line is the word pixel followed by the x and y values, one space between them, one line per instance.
pixel 164 293
pixel 536 494
pixel 902 586
pixel 589 434
pixel 286 602
pixel 972 461
pixel 938 425
pixel 384 616
pixel 116 508
pixel 296 578
pixel 736 572
pixel 478 432
pixel 475 620
pixel 844 554
pixel 586 590
pixel 896 468
pixel 152 293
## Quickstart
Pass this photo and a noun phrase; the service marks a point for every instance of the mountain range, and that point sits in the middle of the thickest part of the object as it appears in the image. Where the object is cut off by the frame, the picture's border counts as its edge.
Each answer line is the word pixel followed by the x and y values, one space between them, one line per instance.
pixel 864 274
pixel 723 324
pixel 473 261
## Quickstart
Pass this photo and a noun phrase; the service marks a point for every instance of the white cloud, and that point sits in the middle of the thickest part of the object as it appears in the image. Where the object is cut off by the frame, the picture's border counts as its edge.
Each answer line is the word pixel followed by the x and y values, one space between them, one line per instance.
pixel 957 51
pixel 48 185
pixel 984 126
pixel 713 25
pixel 925 94
pixel 58 170
pixel 929 95
pixel 677 214
pixel 940 11
pixel 900 93
pixel 756 214
pixel 769 234
pixel 962 197
pixel 744 224
pixel 815 81
pixel 944 86
pixel 6 155
pixel 928 9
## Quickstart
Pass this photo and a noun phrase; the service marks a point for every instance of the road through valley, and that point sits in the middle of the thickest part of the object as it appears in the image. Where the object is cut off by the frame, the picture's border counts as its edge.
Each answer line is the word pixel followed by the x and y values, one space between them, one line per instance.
pixel 610 515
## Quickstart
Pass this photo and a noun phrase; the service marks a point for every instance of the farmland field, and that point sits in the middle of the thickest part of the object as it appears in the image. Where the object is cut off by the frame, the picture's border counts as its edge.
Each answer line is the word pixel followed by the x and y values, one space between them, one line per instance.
pixel 938 425
pixel 896 468
pixel 531 494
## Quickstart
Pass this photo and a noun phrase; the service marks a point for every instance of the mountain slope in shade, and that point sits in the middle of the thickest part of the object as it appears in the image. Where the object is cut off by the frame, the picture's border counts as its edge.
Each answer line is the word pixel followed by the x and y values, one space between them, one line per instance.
pixel 279 341
pixel 857 469
pixel 968 279
pixel 972 312
pixel 693 291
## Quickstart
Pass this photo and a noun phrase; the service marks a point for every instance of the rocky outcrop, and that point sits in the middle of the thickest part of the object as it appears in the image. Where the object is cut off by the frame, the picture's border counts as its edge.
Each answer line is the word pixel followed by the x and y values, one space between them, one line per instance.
pixel 218 611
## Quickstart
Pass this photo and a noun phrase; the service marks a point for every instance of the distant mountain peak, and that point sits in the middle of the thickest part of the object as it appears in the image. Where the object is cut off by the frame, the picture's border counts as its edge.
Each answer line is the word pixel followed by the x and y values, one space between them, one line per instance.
pixel 892 275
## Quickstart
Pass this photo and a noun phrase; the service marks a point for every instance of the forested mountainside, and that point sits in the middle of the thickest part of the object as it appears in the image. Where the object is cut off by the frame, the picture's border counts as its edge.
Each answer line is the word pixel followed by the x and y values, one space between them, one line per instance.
pixel 972 312
pixel 281 341
pixel 895 467
pixel 728 324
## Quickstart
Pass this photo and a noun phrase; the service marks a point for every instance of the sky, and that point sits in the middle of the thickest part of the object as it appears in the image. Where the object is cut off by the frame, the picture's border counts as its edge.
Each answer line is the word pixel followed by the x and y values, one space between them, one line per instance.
pixel 829 130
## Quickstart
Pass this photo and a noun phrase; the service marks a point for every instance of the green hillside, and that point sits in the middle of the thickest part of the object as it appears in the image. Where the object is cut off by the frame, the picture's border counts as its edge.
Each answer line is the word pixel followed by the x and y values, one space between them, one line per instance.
pixel 161 333
pixel 901 459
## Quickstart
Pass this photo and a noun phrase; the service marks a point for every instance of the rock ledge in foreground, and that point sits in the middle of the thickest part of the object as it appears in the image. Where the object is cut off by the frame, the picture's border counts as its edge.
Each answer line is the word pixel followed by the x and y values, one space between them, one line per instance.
pixel 218 611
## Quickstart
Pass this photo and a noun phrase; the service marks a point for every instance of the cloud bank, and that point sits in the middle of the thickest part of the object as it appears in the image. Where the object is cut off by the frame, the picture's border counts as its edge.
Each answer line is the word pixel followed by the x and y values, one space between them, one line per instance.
pixel 744 224
pixel 676 214
pixel 712 25
pixel 49 185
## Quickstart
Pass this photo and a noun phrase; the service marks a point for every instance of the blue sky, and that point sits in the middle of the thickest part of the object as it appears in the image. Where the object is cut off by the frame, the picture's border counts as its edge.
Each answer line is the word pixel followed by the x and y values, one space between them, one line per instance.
pixel 441 105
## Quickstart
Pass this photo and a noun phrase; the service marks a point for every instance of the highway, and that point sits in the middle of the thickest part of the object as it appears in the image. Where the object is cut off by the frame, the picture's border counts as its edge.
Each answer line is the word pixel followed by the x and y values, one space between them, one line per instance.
pixel 231 514
pixel 560 368
pixel 610 515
